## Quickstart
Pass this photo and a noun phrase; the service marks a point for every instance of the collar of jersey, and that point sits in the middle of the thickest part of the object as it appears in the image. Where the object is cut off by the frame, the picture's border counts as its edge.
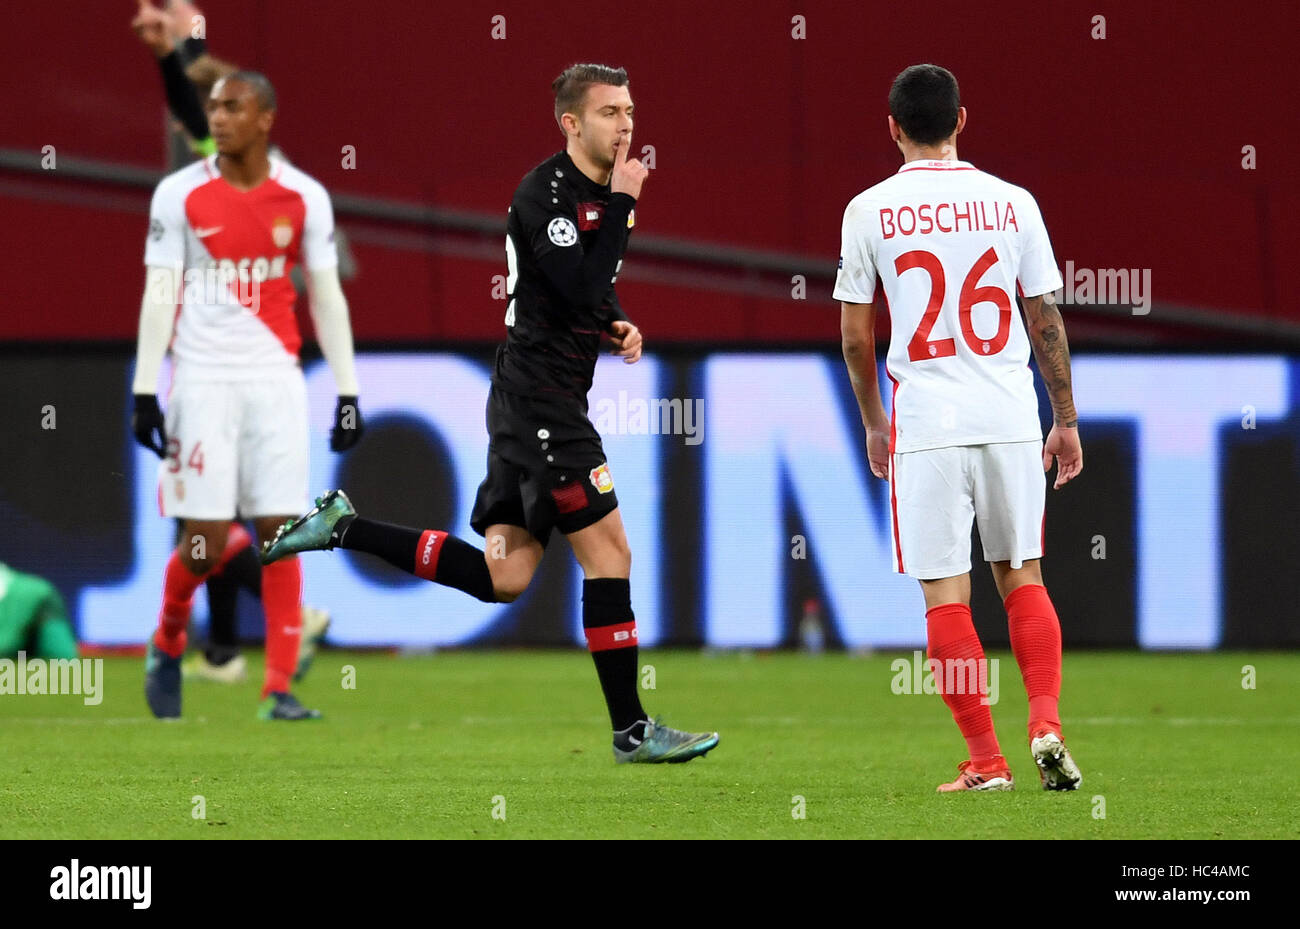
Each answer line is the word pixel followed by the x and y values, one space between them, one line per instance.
pixel 582 179
pixel 928 164
pixel 214 173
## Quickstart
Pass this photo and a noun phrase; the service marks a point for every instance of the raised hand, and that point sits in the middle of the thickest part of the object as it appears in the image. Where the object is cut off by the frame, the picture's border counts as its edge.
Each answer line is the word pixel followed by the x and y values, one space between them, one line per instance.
pixel 628 176
pixel 154 27
pixel 183 14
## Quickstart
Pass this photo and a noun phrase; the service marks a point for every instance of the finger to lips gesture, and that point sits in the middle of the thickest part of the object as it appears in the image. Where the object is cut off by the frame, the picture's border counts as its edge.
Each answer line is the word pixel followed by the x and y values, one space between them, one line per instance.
pixel 628 175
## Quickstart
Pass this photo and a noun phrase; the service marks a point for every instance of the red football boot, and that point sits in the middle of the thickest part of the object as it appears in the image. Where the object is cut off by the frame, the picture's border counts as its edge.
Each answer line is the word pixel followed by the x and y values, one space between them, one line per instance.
pixel 993 775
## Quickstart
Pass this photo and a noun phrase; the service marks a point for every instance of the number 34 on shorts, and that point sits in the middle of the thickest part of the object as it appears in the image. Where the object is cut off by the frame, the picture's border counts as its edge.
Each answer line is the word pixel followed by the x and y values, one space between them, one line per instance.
pixel 171 469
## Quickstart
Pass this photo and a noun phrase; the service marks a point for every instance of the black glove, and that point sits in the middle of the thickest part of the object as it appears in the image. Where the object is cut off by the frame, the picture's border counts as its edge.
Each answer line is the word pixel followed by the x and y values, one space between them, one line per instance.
pixel 145 421
pixel 347 425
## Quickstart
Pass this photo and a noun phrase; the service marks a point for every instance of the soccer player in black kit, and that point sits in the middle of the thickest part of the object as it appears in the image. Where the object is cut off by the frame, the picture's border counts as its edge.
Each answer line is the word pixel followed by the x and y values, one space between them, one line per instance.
pixel 565 237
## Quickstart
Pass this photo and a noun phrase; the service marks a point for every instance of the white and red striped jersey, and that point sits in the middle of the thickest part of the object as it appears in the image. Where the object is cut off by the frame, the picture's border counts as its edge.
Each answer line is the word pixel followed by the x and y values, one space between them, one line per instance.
pixel 236 249
pixel 949 245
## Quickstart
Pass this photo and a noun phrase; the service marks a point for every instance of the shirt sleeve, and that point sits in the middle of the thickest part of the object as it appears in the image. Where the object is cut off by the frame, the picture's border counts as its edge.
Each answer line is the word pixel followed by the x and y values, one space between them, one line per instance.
pixel 165 243
pixel 182 97
pixel 319 252
pixel 581 277
pixel 1038 273
pixel 613 309
pixel 329 312
pixel 855 280
pixel 549 221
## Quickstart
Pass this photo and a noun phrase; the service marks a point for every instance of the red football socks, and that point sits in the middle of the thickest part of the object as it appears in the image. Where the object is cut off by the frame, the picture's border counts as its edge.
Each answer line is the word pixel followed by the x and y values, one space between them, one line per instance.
pixel 951 638
pixel 179 584
pixel 237 539
pixel 282 603
pixel 1036 643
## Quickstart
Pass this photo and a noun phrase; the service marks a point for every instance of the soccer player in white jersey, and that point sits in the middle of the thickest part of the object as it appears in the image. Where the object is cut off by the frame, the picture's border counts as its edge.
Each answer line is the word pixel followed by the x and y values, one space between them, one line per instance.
pixel 224 235
pixel 950 246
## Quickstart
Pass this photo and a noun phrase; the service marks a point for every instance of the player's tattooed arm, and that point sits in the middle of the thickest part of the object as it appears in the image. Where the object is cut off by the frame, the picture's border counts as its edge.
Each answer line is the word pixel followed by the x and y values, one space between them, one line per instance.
pixel 1052 352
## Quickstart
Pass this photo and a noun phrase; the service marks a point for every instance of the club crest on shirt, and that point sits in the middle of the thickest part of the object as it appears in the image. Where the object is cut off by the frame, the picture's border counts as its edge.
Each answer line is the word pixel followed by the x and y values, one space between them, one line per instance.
pixel 561 231
pixel 282 232
pixel 601 479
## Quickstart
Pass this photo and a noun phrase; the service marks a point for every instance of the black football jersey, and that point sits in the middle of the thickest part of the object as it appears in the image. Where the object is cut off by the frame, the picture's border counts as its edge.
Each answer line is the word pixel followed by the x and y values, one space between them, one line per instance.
pixel 565 239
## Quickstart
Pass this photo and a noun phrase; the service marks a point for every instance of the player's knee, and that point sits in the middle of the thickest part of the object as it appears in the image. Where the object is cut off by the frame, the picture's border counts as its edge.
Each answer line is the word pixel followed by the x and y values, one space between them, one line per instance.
pixel 509 580
pixel 620 555
pixel 509 590
pixel 199 554
pixel 1009 579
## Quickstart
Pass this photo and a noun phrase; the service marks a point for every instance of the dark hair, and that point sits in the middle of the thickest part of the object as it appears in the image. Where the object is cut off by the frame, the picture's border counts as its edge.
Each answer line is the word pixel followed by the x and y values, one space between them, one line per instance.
pixel 260 84
pixel 924 102
pixel 571 86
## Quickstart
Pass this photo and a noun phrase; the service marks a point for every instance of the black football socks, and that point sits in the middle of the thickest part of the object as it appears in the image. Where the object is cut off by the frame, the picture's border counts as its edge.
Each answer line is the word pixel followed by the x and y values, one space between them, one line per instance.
pixel 222 637
pixel 610 627
pixel 427 553
pixel 243 570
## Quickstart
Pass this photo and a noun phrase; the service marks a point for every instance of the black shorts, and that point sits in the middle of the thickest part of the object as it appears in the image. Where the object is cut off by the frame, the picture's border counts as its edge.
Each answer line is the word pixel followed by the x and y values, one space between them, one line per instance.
pixel 546 468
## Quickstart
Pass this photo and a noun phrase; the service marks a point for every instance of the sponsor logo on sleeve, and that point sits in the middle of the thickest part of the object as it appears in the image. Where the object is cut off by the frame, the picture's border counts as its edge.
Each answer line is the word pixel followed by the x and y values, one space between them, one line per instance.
pixel 155 230
pixel 589 216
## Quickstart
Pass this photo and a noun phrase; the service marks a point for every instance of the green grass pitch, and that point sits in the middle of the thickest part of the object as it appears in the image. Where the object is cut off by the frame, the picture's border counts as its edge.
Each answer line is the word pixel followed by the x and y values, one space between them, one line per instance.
pixel 1171 746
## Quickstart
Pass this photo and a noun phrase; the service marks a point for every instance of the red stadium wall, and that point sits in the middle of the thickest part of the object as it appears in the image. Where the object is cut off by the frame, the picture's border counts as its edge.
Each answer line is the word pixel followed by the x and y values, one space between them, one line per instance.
pixel 1132 144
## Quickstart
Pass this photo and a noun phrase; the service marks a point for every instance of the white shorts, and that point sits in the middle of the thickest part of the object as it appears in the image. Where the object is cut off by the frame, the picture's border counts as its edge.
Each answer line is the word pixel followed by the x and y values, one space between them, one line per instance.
pixel 235 448
pixel 934 493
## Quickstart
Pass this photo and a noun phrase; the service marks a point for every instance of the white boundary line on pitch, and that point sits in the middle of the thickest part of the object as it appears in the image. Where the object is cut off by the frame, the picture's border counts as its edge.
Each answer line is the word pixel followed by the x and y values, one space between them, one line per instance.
pixel 1184 721
pixel 95 721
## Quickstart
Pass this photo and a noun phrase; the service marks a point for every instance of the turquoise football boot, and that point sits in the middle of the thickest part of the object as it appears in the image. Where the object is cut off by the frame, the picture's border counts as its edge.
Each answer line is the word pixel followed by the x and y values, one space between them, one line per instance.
pixel 316 530
pixel 284 705
pixel 662 744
